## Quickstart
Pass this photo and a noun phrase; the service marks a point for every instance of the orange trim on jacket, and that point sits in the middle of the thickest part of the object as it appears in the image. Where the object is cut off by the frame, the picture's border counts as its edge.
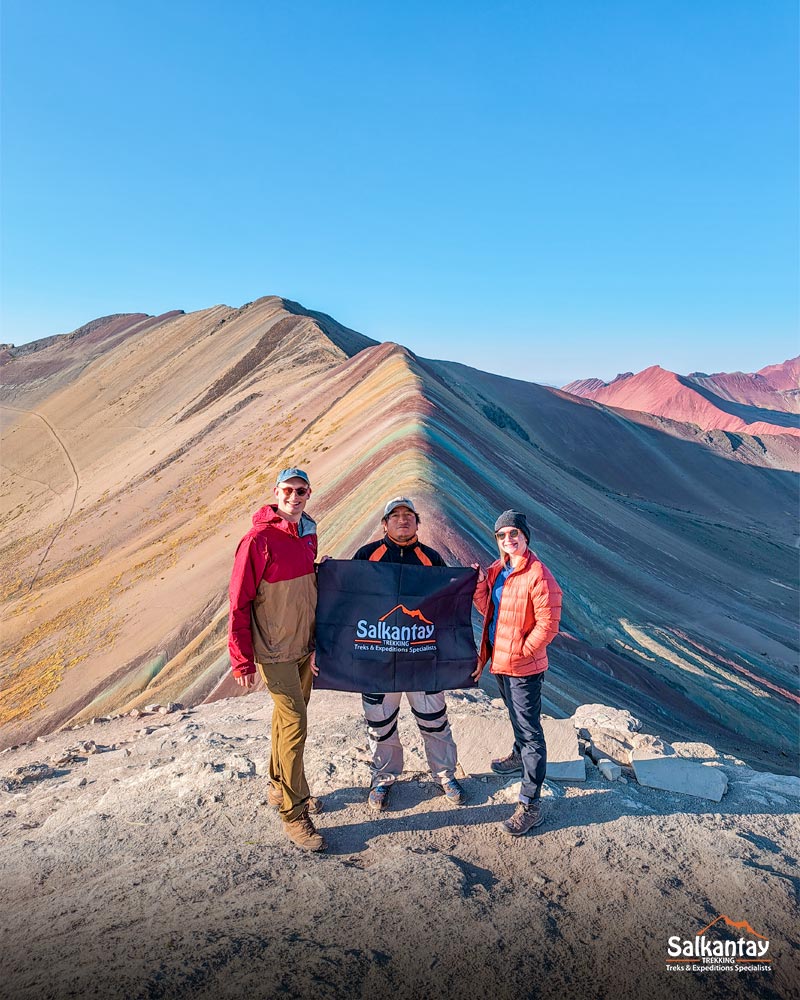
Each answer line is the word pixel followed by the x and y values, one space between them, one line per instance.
pixel 412 552
pixel 527 619
pixel 381 551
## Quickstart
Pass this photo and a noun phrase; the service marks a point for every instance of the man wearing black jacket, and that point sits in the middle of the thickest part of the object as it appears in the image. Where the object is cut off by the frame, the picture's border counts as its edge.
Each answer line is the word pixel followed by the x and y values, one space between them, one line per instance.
pixel 398 545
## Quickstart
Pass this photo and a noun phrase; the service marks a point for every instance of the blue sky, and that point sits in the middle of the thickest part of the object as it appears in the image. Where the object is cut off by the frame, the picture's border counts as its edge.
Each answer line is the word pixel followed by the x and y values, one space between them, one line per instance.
pixel 549 190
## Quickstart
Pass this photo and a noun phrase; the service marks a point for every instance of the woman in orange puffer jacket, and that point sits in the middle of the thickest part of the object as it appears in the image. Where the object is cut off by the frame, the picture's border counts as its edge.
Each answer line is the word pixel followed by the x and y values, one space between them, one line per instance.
pixel 521 604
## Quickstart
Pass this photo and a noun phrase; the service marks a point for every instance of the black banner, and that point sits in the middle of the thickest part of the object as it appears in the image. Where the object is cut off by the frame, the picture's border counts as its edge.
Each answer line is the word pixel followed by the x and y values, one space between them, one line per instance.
pixel 387 627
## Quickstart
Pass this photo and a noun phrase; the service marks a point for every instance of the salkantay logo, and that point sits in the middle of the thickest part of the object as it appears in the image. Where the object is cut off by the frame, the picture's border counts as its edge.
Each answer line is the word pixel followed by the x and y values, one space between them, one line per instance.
pixel 703 953
pixel 410 632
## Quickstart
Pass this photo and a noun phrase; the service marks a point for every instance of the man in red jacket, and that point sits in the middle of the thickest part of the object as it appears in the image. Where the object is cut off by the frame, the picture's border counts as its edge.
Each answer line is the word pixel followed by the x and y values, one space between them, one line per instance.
pixel 273 598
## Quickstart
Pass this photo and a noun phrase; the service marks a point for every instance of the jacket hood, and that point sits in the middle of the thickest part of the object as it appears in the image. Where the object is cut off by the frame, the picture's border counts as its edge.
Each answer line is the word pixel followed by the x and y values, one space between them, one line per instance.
pixel 268 517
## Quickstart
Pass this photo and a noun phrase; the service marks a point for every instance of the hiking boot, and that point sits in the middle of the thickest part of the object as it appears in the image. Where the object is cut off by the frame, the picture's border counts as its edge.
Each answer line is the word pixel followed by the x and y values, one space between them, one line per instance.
pixel 453 792
pixel 275 798
pixel 512 764
pixel 525 818
pixel 378 797
pixel 303 833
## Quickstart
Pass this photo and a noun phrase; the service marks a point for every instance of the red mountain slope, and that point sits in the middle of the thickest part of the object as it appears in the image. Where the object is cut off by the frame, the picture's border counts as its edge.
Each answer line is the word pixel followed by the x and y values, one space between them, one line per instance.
pixel 738 402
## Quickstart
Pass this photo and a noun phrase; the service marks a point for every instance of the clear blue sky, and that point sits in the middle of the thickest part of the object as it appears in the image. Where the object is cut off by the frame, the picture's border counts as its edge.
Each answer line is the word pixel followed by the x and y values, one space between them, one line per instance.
pixel 551 190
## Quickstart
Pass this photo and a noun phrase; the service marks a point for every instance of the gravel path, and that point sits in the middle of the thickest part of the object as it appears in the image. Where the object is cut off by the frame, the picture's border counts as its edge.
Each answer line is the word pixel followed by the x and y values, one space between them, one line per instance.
pixel 157 870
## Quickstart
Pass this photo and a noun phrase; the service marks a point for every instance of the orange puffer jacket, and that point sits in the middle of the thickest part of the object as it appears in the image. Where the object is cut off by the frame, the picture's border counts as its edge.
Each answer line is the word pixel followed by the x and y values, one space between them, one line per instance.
pixel 527 620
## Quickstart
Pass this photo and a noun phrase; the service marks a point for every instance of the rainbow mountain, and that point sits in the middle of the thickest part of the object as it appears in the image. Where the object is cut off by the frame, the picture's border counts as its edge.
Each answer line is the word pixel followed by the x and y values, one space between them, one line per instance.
pixel 135 449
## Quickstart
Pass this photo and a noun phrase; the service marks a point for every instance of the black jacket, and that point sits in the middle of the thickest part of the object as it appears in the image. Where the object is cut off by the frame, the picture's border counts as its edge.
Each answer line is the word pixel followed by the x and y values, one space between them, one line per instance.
pixel 394 553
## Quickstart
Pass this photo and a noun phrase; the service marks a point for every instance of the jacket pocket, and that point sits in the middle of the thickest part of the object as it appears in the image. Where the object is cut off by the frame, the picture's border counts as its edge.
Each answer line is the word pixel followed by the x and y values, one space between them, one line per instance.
pixel 517 644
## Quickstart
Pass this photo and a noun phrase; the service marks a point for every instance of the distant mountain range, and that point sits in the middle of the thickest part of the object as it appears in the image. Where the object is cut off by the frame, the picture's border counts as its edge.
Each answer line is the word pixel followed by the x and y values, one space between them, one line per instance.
pixel 764 402
pixel 135 449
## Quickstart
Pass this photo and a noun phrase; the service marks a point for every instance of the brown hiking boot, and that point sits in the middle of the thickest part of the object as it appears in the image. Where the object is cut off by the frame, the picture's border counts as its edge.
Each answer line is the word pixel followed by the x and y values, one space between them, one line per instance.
pixel 511 764
pixel 275 798
pixel 302 832
pixel 525 818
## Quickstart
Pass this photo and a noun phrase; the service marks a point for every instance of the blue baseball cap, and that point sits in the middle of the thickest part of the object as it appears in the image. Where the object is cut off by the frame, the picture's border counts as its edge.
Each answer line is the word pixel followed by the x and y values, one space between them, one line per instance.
pixel 291 474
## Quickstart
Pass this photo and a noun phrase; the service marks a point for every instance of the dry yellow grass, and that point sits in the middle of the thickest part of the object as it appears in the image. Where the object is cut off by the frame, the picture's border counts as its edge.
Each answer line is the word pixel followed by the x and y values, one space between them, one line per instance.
pixel 34 669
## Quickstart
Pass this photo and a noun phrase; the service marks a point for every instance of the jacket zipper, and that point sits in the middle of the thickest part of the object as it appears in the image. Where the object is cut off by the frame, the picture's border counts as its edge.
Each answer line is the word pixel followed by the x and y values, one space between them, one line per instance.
pixel 497 614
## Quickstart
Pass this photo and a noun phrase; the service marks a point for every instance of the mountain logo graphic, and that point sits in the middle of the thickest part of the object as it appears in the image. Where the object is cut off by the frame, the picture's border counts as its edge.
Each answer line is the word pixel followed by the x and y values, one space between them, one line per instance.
pixel 736 925
pixel 720 952
pixel 400 630
pixel 411 614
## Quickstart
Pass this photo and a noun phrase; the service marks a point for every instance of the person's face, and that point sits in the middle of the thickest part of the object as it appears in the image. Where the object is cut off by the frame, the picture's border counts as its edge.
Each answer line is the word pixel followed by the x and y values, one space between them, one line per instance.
pixel 511 542
pixel 292 496
pixel 402 524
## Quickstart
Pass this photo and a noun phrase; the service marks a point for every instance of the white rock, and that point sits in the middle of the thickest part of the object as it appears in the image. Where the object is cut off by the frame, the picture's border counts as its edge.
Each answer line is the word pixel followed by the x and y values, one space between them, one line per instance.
pixel 653 744
pixel 609 769
pixel 618 746
pixel 703 751
pixel 480 739
pixel 240 766
pixel 763 782
pixel 605 717
pixel 152 708
pixel 675 774
pixel 565 762
pixel 508 793
pixel 610 745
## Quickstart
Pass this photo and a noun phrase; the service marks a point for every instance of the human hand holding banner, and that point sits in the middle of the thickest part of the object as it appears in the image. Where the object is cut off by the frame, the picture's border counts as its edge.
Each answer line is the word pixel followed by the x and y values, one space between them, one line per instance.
pixel 387 627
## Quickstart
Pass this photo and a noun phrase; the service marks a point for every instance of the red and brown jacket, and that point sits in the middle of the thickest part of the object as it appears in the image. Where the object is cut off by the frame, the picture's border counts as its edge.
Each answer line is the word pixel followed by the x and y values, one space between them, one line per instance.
pixel 273 592
pixel 527 619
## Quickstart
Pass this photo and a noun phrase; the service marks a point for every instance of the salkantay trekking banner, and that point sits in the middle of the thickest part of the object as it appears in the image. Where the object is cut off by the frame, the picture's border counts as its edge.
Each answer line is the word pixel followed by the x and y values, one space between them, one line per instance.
pixel 387 627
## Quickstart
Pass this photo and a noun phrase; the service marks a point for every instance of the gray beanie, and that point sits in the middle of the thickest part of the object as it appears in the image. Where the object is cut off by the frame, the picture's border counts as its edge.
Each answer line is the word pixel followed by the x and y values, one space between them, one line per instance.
pixel 513 519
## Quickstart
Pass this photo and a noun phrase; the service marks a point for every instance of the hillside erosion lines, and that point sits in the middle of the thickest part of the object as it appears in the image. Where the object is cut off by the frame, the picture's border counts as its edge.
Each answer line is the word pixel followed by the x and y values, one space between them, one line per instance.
pixel 654 526
pixel 72 466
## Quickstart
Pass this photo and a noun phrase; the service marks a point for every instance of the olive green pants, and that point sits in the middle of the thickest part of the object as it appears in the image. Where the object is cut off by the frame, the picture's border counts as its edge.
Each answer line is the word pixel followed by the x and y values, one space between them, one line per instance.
pixel 290 687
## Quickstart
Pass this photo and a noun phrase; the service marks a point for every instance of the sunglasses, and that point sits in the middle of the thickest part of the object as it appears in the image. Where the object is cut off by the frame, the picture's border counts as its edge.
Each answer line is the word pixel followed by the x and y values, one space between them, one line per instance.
pixel 511 533
pixel 301 491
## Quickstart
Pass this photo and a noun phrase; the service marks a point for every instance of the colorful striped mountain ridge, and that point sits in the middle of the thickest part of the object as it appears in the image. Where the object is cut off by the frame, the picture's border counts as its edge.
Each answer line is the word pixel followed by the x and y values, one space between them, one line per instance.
pixel 135 449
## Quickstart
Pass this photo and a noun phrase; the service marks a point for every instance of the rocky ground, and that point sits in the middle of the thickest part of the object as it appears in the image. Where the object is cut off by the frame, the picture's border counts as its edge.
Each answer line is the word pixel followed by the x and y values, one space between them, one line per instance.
pixel 140 860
